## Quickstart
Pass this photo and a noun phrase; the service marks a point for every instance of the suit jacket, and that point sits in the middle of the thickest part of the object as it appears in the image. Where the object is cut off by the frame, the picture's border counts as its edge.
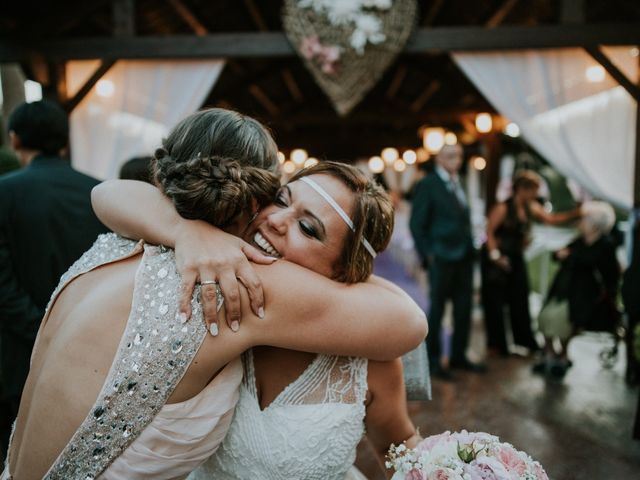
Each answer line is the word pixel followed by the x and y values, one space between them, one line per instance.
pixel 46 223
pixel 440 224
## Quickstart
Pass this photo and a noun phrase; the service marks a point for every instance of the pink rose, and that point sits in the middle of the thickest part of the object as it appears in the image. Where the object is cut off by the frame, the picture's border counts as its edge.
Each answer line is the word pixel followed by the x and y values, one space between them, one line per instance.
pixel 511 459
pixel 428 443
pixel 414 474
pixel 310 46
pixel 438 475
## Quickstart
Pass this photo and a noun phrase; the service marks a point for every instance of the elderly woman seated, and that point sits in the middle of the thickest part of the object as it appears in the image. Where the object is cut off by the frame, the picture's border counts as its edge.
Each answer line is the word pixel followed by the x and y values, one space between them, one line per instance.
pixel 583 292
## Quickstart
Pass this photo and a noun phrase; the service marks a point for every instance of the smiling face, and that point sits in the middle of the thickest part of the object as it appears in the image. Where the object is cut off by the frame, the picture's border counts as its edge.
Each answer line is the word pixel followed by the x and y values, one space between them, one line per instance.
pixel 302 227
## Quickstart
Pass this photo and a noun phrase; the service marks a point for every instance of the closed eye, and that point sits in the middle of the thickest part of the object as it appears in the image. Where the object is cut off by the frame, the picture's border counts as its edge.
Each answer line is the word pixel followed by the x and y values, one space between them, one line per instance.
pixel 309 230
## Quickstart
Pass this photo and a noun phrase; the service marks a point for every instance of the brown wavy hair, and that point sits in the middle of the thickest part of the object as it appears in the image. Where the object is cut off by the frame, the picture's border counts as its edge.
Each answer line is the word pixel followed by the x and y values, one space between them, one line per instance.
pixel 215 163
pixel 372 216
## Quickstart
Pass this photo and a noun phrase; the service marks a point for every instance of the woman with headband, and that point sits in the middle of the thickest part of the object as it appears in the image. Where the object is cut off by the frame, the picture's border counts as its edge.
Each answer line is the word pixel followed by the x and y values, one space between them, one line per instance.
pixel 140 391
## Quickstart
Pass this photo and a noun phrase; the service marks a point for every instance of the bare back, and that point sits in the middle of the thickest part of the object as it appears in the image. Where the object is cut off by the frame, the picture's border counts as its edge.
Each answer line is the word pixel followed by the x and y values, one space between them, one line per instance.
pixel 73 355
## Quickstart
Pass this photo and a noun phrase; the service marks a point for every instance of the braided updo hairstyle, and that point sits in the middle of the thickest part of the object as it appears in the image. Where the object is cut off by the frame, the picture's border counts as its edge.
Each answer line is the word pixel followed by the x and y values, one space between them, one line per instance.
pixel 215 163
pixel 372 216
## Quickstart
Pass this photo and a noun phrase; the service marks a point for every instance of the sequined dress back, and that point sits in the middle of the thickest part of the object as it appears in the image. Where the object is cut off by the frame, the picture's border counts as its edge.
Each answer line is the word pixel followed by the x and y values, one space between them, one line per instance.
pixel 154 353
pixel 309 432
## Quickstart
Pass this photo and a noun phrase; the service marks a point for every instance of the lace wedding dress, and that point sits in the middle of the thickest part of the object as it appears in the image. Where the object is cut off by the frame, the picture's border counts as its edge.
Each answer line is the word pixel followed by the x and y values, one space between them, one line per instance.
pixel 309 432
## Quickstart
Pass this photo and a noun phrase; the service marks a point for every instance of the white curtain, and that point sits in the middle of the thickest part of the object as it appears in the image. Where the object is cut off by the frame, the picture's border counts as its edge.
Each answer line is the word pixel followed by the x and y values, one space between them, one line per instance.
pixel 132 107
pixel 568 109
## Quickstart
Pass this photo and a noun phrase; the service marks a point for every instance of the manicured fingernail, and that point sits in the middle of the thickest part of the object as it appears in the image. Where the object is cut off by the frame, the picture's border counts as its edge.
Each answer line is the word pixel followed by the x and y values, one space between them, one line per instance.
pixel 235 325
pixel 261 312
pixel 213 329
pixel 182 317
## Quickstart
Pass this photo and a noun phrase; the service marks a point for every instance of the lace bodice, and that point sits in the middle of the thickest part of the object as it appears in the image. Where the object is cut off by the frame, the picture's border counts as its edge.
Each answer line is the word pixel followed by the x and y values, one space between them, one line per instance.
pixel 310 431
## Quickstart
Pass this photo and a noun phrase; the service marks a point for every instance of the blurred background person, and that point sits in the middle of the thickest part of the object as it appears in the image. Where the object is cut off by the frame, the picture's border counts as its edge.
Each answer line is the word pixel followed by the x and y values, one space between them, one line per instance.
pixel 46 223
pixel 137 168
pixel 441 228
pixel 584 290
pixel 504 273
pixel 631 299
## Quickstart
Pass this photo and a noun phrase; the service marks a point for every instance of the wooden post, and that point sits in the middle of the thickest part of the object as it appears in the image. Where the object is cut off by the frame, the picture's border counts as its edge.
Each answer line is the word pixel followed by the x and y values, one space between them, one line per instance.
pixel 493 152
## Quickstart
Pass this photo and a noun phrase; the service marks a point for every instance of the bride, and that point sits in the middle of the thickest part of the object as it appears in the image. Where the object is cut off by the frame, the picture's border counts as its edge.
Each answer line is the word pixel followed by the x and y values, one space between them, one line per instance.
pixel 300 415
pixel 121 387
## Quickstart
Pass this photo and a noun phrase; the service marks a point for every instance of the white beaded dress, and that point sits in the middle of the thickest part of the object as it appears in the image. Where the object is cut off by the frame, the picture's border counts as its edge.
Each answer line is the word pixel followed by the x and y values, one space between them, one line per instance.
pixel 309 432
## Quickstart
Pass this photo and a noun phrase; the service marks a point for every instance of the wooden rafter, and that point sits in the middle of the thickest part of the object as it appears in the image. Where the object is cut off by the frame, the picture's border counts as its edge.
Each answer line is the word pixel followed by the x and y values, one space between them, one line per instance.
pixel 292 85
pixel 433 11
pixel 264 99
pixel 394 86
pixel 256 16
pixel 188 17
pixel 572 11
pixel 615 72
pixel 275 44
pixel 124 24
pixel 500 14
pixel 426 94
pixel 88 85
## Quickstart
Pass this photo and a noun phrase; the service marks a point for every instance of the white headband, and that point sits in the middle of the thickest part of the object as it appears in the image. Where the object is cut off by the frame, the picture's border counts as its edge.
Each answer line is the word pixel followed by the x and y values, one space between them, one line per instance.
pixel 322 192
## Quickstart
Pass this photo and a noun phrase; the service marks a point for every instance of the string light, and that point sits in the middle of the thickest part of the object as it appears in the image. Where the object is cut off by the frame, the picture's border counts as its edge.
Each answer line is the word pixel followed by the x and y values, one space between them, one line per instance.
pixel 281 158
pixel 105 88
pixel 512 130
pixel 484 122
pixel 289 167
pixel 450 138
pixel 433 139
pixel 390 155
pixel 299 156
pixel 376 164
pixel 399 165
pixel 479 163
pixel 422 154
pixel 409 157
pixel 310 162
pixel 595 73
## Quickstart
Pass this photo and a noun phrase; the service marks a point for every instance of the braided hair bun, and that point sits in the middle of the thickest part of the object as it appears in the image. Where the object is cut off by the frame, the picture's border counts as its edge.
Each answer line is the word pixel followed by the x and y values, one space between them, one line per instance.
pixel 215 163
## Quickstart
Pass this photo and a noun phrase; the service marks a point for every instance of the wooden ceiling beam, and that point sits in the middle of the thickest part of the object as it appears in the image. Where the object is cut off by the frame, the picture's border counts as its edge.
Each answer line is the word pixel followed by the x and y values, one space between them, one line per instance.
pixel 275 44
pixel 88 85
pixel 189 18
pixel 615 72
pixel 433 11
pixel 264 100
pixel 292 85
pixel 124 23
pixel 500 14
pixel 394 86
pixel 256 16
pixel 426 94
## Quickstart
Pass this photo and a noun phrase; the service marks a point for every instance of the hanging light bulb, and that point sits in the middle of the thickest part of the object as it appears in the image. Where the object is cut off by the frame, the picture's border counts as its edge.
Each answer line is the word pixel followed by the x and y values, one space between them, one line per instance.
pixel 484 122
pixel 595 73
pixel 479 163
pixel 376 164
pixel 299 156
pixel 105 88
pixel 409 157
pixel 433 139
pixel 450 138
pixel 399 165
pixel 389 155
pixel 512 130
pixel 422 155
pixel 289 167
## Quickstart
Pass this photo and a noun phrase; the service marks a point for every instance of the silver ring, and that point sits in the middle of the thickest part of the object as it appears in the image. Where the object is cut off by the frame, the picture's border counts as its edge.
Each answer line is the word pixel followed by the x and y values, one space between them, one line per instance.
pixel 208 282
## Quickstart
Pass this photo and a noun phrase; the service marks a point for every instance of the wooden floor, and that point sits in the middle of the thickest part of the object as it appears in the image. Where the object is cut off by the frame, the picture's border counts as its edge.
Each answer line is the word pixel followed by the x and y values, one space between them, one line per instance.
pixel 578 428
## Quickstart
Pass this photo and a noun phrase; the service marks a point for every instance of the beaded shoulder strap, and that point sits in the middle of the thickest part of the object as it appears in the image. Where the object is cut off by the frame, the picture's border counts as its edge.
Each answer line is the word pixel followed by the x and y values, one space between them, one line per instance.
pixel 154 353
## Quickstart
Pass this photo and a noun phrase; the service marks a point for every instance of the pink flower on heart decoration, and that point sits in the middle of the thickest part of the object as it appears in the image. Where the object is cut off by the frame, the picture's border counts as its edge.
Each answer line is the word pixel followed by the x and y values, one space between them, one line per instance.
pixel 511 459
pixel 327 56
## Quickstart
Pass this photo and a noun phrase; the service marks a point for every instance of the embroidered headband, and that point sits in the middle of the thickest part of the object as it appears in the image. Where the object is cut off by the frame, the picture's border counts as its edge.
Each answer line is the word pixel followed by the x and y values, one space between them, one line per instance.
pixel 329 199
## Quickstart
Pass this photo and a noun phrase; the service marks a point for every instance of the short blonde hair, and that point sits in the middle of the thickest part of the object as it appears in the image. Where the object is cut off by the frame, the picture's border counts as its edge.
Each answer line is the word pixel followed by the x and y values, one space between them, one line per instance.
pixel 599 214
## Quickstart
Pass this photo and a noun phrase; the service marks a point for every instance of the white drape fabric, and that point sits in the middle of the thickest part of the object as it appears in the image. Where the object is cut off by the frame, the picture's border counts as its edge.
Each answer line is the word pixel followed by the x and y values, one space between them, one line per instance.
pixel 568 109
pixel 133 106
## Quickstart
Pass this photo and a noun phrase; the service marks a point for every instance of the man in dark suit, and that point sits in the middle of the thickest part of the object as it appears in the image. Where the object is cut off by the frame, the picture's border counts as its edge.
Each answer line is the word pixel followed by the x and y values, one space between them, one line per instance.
pixel 441 228
pixel 46 223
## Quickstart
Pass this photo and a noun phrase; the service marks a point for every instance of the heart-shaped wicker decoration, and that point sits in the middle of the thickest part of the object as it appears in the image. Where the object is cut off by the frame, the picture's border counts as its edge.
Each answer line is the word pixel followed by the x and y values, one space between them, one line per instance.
pixel 346 73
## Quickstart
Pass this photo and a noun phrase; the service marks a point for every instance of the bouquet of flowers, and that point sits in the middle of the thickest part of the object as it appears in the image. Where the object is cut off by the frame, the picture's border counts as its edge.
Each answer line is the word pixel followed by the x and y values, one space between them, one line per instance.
pixel 462 456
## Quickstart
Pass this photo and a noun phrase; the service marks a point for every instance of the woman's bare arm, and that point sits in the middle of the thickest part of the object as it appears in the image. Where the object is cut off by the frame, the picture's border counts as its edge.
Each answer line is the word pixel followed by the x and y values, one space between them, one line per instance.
pixel 387 418
pixel 139 210
pixel 542 216
pixel 305 310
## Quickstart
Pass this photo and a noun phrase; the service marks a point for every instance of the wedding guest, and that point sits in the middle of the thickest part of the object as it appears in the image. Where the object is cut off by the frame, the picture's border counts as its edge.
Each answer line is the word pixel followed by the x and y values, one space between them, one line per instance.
pixel 137 168
pixel 631 299
pixel 8 161
pixel 441 228
pixel 584 290
pixel 504 272
pixel 46 223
